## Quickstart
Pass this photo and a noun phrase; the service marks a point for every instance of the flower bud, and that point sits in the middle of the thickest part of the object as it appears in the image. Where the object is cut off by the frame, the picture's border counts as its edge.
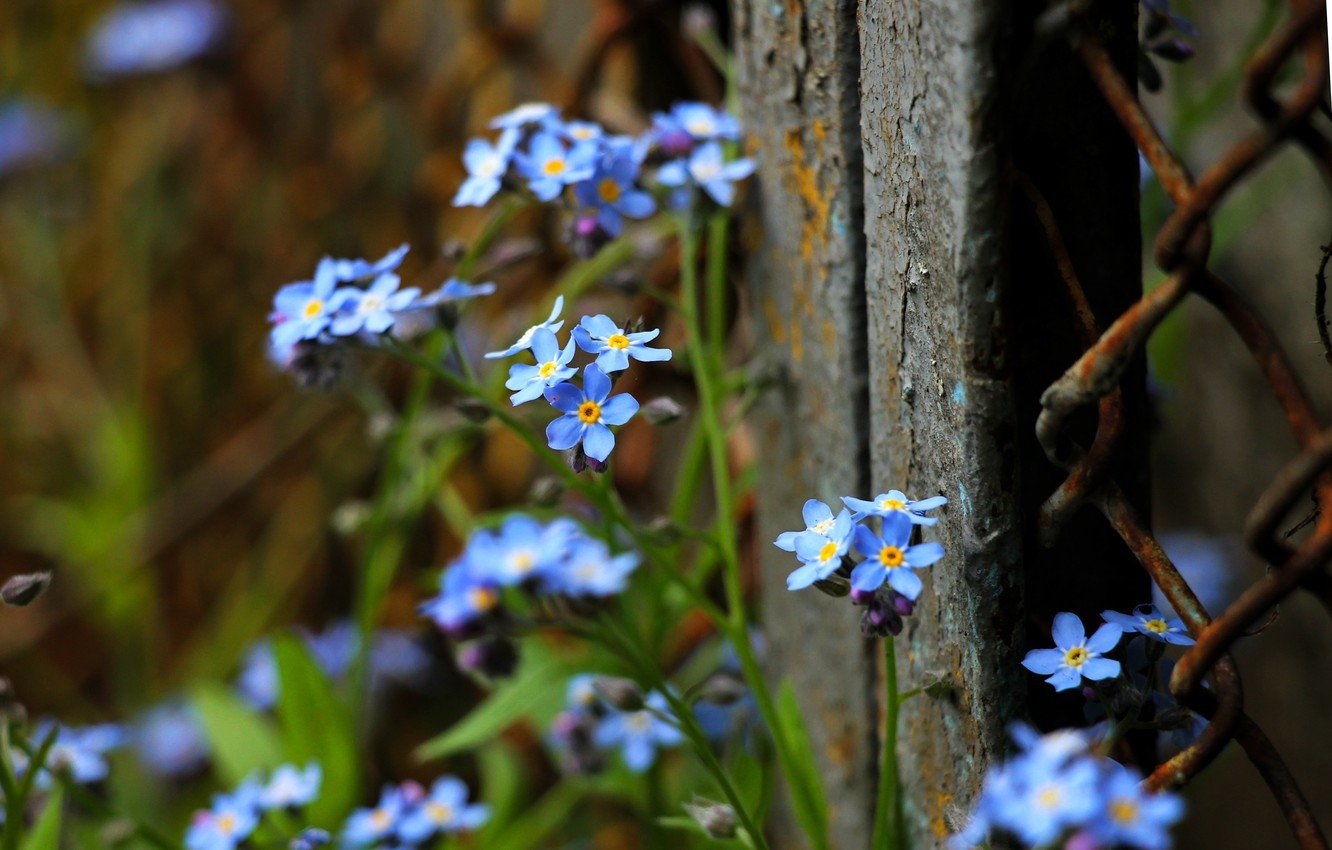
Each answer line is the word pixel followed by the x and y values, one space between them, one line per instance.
pixel 318 367
pixel 698 20
pixel 587 236
pixel 494 657
pixel 1173 50
pixel 453 250
pixel 723 688
pixel 23 590
pixel 717 819
pixel 546 491
pixel 412 791
pixel 662 410
pixel 862 597
pixel 624 281
pixel 880 621
pixel 619 694
pixel 903 606
pixel 472 409
pixel 834 585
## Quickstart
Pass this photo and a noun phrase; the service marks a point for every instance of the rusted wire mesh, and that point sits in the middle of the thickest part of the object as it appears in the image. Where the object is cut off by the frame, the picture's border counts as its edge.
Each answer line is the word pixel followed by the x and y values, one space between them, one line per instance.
pixel 1181 251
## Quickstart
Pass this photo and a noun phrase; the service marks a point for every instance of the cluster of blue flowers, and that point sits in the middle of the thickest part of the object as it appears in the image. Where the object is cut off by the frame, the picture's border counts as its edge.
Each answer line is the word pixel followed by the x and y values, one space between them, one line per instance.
pixel 408 816
pixel 546 559
pixel 590 727
pixel 885 578
pixel 603 177
pixel 588 412
pixel 356 300
pixel 234 817
pixel 1058 791
pixel 395 658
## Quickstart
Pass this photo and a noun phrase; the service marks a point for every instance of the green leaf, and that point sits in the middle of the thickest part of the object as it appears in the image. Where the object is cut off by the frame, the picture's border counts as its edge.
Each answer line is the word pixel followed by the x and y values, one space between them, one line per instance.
pixel 242 740
pixel 807 798
pixel 539 681
pixel 504 783
pixel 45 834
pixel 316 726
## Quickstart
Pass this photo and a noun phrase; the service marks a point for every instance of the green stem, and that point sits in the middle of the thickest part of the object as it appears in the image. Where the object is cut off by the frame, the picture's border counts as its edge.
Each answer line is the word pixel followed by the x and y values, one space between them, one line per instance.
pixel 888 826
pixel 105 809
pixel 632 650
pixel 707 373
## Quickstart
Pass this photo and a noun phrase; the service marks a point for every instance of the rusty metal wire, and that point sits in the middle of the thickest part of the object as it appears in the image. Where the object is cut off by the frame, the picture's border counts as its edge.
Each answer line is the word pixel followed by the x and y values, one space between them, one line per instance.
pixel 1181 251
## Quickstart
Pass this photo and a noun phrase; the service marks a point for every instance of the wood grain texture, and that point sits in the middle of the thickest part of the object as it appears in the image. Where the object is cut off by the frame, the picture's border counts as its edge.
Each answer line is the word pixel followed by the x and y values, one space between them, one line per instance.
pixel 941 399
pixel 798 66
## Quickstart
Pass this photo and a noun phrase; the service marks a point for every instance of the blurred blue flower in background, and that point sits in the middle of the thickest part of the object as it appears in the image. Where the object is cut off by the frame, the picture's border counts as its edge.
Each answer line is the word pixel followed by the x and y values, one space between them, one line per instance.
pixel 291 787
pixel 639 734
pixel 29 135
pixel 152 36
pixel 486 165
pixel 366 827
pixel 527 115
pixel 590 570
pixel 169 740
pixel 371 309
pixel 707 168
pixel 444 810
pixel 229 822
pixel 612 190
pixel 78 751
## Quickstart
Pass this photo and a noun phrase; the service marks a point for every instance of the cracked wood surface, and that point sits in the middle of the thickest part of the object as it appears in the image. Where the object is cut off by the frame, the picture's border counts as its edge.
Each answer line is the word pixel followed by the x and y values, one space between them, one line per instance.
pixel 797 66
pixel 898 283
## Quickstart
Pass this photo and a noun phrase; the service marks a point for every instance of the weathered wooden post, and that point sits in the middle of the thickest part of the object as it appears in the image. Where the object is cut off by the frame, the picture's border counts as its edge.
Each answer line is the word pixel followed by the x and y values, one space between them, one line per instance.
pixel 895 279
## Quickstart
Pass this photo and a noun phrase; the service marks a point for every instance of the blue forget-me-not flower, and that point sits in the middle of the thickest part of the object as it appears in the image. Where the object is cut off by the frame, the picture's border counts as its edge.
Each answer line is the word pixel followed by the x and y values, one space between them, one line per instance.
pixel 895 501
pixel 638 735
pixel 551 367
pixel 291 787
pixel 1148 620
pixel 158 35
pixel 890 557
pixel 611 190
pixel 549 166
pixel 444 810
pixel 821 554
pixel 524 342
pixel 707 168
pixel 1075 656
pixel 486 165
pixel 587 414
pixel 600 335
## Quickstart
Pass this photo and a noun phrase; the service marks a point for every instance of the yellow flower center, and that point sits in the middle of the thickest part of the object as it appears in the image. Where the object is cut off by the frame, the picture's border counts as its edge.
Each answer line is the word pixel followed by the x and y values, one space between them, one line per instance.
pixel 699 127
pixel 608 190
pixel 226 824
pixel 1123 811
pixel 553 167
pixel 522 562
pixel 482 598
pixel 548 368
pixel 891 556
pixel 438 812
pixel 381 818
pixel 1075 657
pixel 829 550
pixel 1048 797
pixel 893 505
pixel 1158 627
pixel 313 308
pixel 582 133
pixel 639 720
pixel 589 412
pixel 617 341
